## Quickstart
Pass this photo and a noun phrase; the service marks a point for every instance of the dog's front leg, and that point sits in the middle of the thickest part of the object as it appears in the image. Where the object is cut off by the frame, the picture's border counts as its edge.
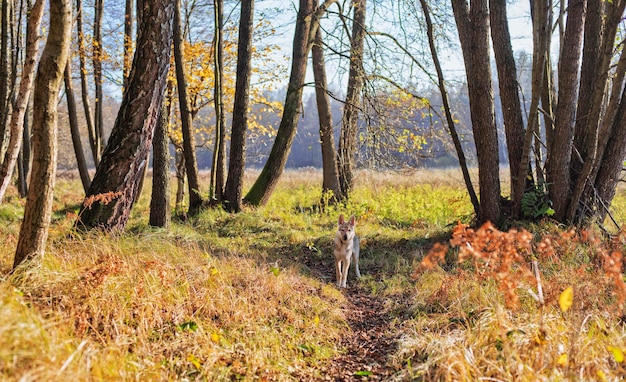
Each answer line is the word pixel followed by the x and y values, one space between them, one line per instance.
pixel 338 272
pixel 345 265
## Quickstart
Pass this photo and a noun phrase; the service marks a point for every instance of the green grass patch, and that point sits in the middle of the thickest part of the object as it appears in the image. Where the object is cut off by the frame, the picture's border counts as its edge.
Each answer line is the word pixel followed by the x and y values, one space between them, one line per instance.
pixel 251 296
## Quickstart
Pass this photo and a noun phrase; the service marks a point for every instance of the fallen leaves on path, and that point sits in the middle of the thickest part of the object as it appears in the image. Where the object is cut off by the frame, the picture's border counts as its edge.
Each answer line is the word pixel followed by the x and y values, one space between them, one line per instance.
pixel 368 343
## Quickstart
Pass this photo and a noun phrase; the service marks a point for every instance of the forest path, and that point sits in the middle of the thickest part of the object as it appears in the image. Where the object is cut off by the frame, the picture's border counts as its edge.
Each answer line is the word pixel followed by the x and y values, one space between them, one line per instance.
pixel 371 342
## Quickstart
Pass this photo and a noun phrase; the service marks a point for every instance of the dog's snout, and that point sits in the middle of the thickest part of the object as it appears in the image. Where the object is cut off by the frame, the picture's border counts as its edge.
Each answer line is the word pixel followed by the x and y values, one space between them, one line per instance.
pixel 345 237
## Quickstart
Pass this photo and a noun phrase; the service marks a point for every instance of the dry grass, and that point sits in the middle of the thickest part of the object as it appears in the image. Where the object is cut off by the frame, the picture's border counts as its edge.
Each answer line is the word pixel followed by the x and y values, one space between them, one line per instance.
pixel 145 307
pixel 495 318
pixel 251 296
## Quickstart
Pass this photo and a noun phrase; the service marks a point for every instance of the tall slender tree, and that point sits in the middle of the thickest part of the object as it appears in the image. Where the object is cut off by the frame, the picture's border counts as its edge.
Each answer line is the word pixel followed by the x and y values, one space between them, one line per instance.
pixel 521 181
pixel 5 102
pixel 356 78
pixel 128 40
pixel 16 126
pixel 330 172
pixel 473 27
pixel 430 32
pixel 114 187
pixel 160 209
pixel 602 20
pixel 509 89
pixel 189 149
pixel 218 168
pixel 269 176
pixel 233 192
pixel 94 142
pixel 38 209
pixel 83 170
pixel 97 57
pixel 559 161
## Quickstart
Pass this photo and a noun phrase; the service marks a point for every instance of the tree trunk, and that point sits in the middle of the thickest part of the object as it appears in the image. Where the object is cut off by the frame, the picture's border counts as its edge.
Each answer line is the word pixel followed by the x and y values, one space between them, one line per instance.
pixel 509 92
pixel 267 180
pixel 94 143
pixel 473 27
pixel 612 164
pixel 73 119
pixel 541 46
pixel 349 123
pixel 38 209
pixel 114 187
pixel 218 170
pixel 448 112
pixel 331 190
pixel 160 210
pixel 548 96
pixel 189 147
pixel 97 72
pixel 586 133
pixel 128 41
pixel 179 160
pixel 24 159
pixel 559 160
pixel 592 41
pixel 233 192
pixel 16 125
pixel 5 102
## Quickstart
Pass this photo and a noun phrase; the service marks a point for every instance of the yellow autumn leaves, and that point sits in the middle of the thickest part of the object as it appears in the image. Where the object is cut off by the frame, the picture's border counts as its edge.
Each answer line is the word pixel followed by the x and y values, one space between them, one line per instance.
pixel 566 299
pixel 199 75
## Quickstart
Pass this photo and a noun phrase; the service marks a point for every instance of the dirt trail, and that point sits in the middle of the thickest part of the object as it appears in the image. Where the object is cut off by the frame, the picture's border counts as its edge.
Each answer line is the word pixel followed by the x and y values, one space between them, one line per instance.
pixel 370 344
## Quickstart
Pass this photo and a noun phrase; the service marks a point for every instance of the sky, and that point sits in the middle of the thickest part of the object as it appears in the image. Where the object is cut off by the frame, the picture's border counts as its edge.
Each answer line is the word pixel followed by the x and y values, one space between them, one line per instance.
pixel 452 60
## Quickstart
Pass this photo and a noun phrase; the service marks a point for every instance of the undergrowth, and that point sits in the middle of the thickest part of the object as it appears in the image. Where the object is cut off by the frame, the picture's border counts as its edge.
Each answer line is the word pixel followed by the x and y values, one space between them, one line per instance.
pixel 251 296
pixel 498 315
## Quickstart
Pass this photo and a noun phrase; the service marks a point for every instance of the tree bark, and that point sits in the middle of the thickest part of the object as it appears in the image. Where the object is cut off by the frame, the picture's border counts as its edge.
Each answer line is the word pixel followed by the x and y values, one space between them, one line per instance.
pixel 128 41
pixel 541 46
pixel 189 147
pixel 349 123
pixel 559 160
pixel 83 170
pixel 447 110
pixel 587 128
pixel 266 182
pixel 114 187
pixel 5 102
pixel 97 73
pixel 331 190
pixel 38 209
pixel 218 170
pixel 612 164
pixel 94 143
pixel 24 159
pixel 179 160
pixel 16 126
pixel 509 93
pixel 160 209
pixel 233 193
pixel 473 27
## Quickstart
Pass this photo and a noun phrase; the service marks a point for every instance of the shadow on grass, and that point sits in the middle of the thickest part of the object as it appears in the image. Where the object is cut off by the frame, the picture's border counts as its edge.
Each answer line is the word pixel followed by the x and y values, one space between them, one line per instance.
pixel 382 256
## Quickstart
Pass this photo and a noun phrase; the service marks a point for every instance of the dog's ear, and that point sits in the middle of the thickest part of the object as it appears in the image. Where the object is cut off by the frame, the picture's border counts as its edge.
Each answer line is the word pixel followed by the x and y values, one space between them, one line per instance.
pixel 352 220
pixel 341 220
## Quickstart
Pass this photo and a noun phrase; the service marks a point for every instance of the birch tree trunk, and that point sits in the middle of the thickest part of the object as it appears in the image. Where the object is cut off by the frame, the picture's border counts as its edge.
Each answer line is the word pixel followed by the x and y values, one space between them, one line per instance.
pixel 38 209
pixel 16 125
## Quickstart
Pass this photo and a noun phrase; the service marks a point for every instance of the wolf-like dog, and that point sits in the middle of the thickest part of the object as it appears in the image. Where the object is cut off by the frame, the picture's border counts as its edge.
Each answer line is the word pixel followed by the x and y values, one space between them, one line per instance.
pixel 346 249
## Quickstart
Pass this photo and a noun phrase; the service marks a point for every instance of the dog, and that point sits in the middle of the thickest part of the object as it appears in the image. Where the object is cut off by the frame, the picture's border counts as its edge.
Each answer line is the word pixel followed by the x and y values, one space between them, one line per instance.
pixel 347 248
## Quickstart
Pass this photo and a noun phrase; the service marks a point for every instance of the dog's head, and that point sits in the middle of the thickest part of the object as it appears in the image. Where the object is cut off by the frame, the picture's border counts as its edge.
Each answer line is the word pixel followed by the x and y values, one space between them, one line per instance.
pixel 345 229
